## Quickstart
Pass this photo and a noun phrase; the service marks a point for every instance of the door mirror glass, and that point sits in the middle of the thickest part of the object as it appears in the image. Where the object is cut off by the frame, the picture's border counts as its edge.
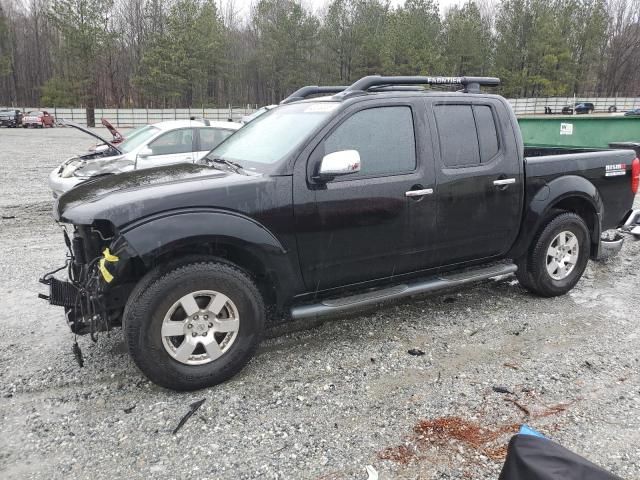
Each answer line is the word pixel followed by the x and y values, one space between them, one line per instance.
pixel 339 163
pixel 145 152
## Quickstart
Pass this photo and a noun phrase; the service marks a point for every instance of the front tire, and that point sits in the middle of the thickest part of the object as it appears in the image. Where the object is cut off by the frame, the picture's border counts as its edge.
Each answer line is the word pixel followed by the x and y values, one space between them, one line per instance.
pixel 558 258
pixel 193 325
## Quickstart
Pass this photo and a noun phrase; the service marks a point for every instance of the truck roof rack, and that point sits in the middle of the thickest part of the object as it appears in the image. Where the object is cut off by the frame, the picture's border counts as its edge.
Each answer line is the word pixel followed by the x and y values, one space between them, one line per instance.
pixel 371 82
pixel 309 90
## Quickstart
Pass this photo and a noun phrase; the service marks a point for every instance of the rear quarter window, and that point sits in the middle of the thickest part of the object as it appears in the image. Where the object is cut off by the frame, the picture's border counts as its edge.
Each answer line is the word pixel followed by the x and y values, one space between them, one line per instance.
pixel 487 133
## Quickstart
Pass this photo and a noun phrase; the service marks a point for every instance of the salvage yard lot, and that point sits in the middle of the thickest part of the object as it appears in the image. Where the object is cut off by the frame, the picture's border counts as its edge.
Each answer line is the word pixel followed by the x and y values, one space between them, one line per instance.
pixel 320 403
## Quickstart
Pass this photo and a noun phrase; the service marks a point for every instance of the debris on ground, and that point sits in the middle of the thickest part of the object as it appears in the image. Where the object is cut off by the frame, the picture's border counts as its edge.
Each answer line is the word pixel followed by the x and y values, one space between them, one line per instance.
pixel 193 409
pixel 372 472
pixel 400 454
pixel 501 389
pixel 77 353
pixel 129 409
pixel 415 352
pixel 522 408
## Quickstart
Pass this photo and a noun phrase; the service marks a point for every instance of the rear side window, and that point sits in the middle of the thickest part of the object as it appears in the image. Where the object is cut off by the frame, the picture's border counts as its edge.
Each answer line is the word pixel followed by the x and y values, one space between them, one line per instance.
pixel 457 134
pixel 467 134
pixel 384 138
pixel 487 134
pixel 210 138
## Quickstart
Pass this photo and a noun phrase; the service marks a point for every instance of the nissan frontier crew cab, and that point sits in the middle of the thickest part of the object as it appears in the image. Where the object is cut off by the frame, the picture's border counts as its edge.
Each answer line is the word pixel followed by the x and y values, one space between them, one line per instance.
pixel 325 205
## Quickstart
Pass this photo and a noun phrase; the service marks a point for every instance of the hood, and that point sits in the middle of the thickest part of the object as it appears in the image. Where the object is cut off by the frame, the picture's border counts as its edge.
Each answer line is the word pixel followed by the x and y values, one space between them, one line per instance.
pixel 93 134
pixel 127 197
pixel 117 136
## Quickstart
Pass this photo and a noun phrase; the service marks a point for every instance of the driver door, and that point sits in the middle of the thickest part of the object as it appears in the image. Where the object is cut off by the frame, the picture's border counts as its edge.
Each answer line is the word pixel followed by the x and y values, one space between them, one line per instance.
pixel 359 227
pixel 169 148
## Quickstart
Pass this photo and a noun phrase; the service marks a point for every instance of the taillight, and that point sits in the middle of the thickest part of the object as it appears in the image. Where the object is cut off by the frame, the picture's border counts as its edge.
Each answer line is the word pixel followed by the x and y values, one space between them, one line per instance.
pixel 635 175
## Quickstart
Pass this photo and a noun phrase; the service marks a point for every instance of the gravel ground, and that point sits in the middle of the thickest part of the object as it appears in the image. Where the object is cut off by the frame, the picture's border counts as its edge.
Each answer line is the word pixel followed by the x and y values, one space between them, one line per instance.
pixel 320 403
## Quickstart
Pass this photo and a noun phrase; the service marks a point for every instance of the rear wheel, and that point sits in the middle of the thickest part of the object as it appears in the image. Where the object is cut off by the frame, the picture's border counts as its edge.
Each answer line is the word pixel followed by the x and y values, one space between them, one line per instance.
pixel 194 325
pixel 559 257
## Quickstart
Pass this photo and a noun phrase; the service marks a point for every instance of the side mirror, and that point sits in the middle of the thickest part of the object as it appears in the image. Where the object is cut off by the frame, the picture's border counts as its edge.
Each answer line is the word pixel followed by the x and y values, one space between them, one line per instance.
pixel 145 152
pixel 339 163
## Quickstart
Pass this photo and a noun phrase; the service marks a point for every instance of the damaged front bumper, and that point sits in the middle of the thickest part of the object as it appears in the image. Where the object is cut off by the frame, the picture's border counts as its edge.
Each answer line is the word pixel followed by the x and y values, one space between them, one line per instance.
pixel 92 299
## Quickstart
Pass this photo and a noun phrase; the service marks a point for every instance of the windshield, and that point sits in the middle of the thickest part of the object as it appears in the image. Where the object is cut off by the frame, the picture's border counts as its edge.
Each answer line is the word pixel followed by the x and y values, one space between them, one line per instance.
pixel 137 138
pixel 274 134
pixel 255 114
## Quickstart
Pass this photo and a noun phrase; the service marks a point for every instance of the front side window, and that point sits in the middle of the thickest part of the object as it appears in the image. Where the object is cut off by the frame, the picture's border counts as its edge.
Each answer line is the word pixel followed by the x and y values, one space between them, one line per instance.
pixel 383 136
pixel 176 141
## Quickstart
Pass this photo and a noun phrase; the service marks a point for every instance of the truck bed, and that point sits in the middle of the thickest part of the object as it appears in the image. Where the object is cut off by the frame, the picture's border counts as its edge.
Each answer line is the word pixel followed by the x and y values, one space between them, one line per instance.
pixel 608 170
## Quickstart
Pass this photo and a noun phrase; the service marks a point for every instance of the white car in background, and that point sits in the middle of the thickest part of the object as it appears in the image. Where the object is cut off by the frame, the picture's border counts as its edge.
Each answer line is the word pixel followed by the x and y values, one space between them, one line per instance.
pixel 163 143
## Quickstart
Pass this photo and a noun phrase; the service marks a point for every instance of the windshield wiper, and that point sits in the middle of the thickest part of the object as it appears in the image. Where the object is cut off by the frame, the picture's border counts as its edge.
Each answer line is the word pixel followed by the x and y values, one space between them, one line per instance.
pixel 235 166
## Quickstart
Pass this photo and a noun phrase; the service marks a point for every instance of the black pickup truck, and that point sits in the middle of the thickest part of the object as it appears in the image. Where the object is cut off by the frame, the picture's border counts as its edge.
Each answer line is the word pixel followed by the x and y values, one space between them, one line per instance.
pixel 324 205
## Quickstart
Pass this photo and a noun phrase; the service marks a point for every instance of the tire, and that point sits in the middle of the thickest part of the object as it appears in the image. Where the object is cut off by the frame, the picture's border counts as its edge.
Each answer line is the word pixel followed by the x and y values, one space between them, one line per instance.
pixel 148 313
pixel 565 230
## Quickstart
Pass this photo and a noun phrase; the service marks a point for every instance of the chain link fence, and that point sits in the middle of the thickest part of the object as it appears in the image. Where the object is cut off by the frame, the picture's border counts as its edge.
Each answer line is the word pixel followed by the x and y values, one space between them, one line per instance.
pixel 537 105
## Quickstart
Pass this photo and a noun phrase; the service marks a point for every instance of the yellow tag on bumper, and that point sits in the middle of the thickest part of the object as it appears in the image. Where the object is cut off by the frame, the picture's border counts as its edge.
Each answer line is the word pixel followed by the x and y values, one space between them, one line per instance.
pixel 107 257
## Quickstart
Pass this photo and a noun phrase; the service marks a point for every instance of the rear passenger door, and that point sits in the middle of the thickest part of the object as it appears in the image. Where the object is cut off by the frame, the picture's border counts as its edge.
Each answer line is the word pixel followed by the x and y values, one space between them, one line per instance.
pixel 479 179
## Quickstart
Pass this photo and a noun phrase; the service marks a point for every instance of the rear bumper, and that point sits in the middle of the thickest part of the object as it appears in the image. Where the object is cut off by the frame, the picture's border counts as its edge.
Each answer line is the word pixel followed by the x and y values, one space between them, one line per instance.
pixel 611 246
pixel 632 224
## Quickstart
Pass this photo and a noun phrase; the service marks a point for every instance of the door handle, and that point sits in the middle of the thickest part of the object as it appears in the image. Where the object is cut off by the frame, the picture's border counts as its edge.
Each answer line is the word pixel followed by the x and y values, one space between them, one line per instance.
pixel 419 193
pixel 504 181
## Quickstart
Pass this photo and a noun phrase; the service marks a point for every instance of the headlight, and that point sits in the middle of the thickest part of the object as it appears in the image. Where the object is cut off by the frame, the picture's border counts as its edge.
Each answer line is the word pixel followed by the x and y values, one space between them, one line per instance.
pixel 70 169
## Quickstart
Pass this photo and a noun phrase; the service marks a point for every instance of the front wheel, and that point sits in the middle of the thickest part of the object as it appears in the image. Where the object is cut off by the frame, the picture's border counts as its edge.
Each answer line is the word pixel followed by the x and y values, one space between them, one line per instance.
pixel 194 325
pixel 558 258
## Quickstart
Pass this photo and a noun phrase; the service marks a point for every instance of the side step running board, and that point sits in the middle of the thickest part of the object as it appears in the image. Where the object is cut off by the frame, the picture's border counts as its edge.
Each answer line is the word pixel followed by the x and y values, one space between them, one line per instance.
pixel 336 306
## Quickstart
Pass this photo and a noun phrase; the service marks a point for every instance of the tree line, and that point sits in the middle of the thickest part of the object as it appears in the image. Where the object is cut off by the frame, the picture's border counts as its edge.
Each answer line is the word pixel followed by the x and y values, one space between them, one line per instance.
pixel 176 53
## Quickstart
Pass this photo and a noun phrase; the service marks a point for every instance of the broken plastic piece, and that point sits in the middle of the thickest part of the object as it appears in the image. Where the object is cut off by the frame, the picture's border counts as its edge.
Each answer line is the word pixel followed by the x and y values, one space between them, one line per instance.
pixel 107 257
pixel 372 472
pixel 527 430
pixel 77 353
pixel 194 408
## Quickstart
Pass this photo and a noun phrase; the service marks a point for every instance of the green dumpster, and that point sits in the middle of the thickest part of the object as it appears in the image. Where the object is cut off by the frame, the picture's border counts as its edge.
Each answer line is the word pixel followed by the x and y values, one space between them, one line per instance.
pixel 578 131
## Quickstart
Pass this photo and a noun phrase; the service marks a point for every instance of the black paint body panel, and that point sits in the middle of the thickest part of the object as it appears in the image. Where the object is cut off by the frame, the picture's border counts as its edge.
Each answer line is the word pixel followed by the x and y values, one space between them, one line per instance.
pixel 314 238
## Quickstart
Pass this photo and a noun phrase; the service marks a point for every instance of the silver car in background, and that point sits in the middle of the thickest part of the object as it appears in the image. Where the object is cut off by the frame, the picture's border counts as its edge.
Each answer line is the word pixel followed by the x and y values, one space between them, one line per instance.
pixel 163 143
